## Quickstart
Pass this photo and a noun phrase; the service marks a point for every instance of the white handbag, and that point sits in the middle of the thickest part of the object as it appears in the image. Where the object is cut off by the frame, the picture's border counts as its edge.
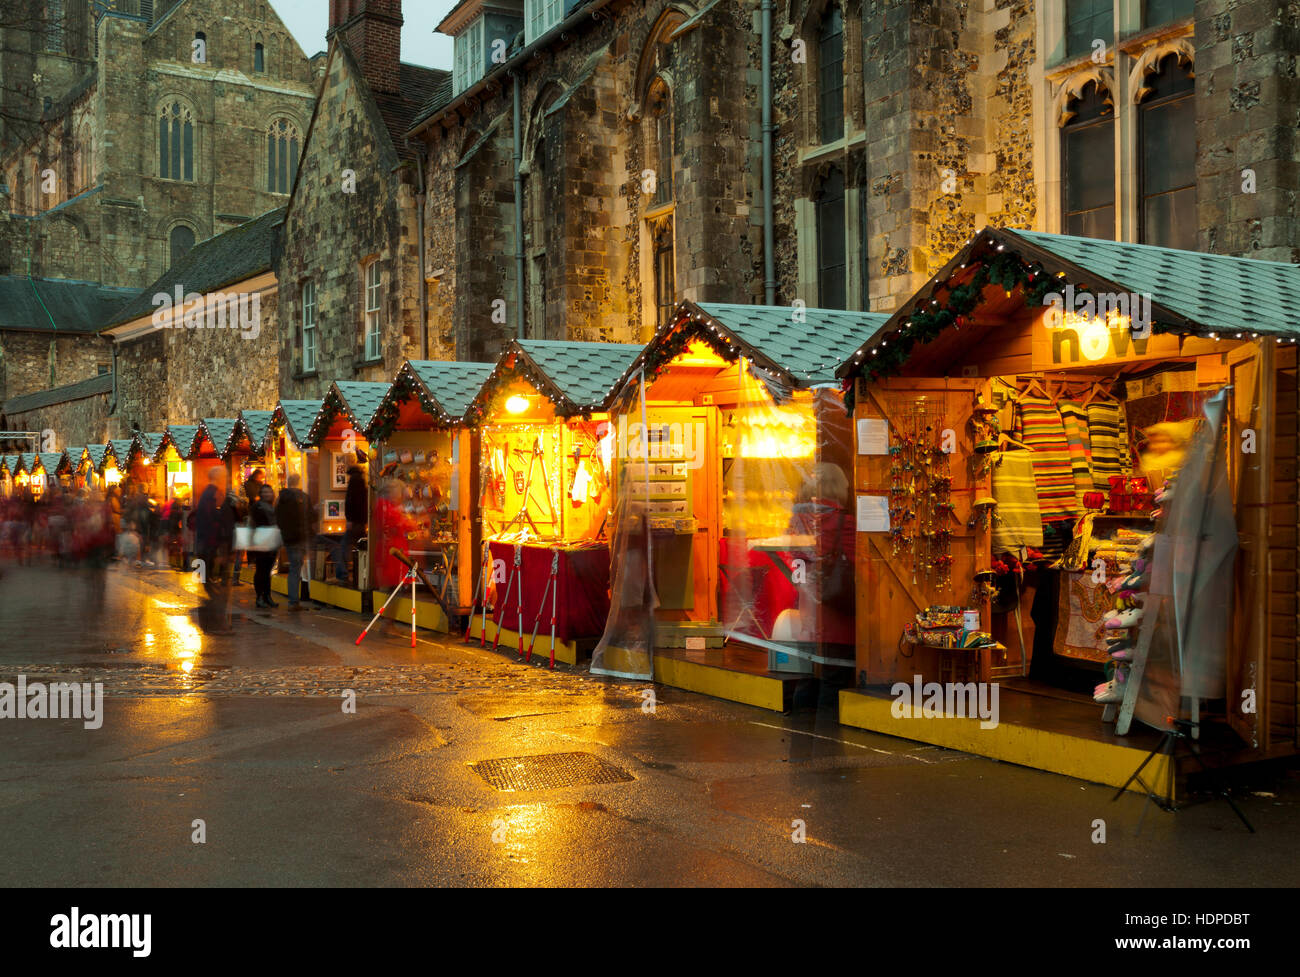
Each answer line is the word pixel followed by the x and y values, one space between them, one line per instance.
pixel 243 537
pixel 266 539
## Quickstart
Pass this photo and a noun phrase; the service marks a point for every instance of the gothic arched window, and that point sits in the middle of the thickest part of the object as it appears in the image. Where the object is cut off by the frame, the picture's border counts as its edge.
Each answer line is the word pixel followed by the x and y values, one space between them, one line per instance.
pixel 830 75
pixel 661 141
pixel 1167 178
pixel 282 141
pixel 1088 166
pixel 175 142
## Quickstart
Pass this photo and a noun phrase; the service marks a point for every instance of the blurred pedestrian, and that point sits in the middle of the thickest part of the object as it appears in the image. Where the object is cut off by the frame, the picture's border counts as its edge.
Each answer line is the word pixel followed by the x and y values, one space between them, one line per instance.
pixel 263 515
pixel 355 510
pixel 214 532
pixel 295 516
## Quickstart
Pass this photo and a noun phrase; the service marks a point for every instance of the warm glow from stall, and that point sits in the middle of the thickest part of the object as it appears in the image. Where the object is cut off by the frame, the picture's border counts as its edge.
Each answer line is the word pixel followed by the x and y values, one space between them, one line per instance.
pixel 517 404
pixel 112 476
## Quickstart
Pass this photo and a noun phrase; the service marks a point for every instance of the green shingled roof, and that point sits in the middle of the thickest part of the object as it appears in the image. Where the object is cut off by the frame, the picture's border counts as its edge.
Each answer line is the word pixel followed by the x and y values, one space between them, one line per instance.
pixel 298 417
pixel 97 453
pixel 451 386
pixel 120 450
pixel 148 443
pixel 1213 292
pixel 221 432
pixel 51 461
pixel 578 377
pixel 74 455
pixel 10 464
pixel 1191 292
pixel 232 256
pixel 358 401
pixel 181 437
pixel 27 461
pixel 254 425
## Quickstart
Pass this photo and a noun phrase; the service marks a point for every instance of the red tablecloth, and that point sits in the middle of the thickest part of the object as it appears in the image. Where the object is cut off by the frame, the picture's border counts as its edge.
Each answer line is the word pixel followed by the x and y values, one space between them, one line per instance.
pixel 583 595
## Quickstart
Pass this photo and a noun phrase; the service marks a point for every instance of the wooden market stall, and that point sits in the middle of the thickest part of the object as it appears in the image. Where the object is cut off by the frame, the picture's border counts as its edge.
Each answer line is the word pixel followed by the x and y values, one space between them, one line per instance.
pixel 143 453
pixel 424 490
pixel 96 454
pixel 117 462
pixel 544 493
pixel 733 471
pixel 287 452
pixel 174 457
pixel 337 433
pixel 8 467
pixel 1019 422
pixel 249 453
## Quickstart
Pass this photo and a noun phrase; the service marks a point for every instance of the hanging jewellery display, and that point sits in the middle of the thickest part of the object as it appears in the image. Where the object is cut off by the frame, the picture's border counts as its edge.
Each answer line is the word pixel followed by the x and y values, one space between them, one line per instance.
pixel 920 495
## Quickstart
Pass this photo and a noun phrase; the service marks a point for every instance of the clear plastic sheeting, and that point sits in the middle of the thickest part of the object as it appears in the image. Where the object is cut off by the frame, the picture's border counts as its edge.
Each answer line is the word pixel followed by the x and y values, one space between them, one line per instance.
pixel 733 520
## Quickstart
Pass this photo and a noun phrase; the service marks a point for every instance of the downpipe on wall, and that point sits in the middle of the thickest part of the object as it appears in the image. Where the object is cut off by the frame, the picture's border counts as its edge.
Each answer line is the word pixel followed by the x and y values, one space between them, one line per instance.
pixel 519 205
pixel 769 237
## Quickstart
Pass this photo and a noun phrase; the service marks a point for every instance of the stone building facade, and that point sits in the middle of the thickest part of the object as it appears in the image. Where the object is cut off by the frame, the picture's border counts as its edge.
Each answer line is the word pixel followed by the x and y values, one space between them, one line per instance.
pixel 161 124
pixel 348 260
pixel 901 128
pixel 74 414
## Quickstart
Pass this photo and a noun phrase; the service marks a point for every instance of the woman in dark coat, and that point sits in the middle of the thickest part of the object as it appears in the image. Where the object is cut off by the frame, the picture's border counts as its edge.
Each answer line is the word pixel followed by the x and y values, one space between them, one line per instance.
pixel 263 513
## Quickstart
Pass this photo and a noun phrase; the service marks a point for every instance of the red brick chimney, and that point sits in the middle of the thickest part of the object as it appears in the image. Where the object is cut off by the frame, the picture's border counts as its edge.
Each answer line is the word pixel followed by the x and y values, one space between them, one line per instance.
pixel 373 30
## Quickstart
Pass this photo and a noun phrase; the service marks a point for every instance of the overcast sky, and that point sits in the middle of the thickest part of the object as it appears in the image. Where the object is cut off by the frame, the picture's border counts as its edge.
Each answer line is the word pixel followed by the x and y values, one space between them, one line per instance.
pixel 309 19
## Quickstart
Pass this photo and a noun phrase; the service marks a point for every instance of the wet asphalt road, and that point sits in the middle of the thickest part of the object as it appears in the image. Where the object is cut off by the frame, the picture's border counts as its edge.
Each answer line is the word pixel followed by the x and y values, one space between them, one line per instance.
pixel 252 739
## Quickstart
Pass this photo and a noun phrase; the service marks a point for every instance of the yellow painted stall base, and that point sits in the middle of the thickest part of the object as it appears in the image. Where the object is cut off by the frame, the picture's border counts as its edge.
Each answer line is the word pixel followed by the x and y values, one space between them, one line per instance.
pixel 1073 756
pixel 428 613
pixel 721 683
pixel 565 651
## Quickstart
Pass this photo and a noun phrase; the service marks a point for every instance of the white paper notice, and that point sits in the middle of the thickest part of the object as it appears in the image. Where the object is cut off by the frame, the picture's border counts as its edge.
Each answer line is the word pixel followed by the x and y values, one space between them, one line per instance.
pixel 873 513
pixel 873 436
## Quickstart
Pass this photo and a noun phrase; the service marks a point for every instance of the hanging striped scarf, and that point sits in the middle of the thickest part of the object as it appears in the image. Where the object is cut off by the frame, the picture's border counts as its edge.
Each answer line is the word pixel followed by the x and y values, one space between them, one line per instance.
pixel 1105 422
pixel 1075 422
pixel 1018 524
pixel 1038 425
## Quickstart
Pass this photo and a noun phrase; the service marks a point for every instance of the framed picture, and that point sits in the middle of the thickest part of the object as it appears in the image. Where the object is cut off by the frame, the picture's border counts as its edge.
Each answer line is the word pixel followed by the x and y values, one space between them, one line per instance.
pixel 340 462
pixel 333 508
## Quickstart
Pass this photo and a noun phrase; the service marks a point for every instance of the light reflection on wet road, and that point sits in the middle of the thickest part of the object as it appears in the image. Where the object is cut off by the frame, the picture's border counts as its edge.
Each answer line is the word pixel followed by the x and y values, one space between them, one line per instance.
pixel 253 739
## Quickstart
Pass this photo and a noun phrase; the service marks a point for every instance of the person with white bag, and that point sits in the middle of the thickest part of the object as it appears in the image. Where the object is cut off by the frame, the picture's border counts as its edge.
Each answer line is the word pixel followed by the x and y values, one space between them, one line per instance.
pixel 265 544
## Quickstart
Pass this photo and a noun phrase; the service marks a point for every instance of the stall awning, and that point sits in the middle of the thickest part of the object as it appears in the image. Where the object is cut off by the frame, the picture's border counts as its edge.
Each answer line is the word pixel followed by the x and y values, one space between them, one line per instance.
pixel 578 378
pixel 220 432
pixel 297 416
pixel 181 437
pixel 252 426
pixel 1190 292
pixel 356 401
pixel 445 389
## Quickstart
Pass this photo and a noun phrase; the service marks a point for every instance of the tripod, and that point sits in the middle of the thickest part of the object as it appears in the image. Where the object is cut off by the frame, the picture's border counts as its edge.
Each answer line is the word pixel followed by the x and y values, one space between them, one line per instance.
pixel 1183 732
pixel 413 576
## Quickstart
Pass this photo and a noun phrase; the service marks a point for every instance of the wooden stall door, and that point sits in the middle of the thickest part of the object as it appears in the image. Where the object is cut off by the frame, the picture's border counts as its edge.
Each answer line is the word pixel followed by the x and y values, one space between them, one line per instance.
pixel 889 592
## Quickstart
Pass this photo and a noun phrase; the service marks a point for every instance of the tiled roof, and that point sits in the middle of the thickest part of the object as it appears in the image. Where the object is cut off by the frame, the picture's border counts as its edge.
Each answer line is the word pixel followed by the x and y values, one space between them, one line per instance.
pixel 120 450
pixel 806 345
pixel 449 386
pixel 358 401
pixel 253 425
pixel 97 453
pixel 75 307
pixel 91 387
pixel 1215 292
pixel 298 417
pixel 9 463
pixel 27 461
pixel 581 376
pixel 51 461
pixel 1191 292
pixel 75 455
pixel 182 438
pixel 148 442
pixel 235 255
pixel 221 432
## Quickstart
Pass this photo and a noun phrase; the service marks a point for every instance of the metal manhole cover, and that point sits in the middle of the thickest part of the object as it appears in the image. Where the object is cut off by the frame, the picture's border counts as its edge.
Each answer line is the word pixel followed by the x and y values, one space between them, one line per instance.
pixel 548 770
